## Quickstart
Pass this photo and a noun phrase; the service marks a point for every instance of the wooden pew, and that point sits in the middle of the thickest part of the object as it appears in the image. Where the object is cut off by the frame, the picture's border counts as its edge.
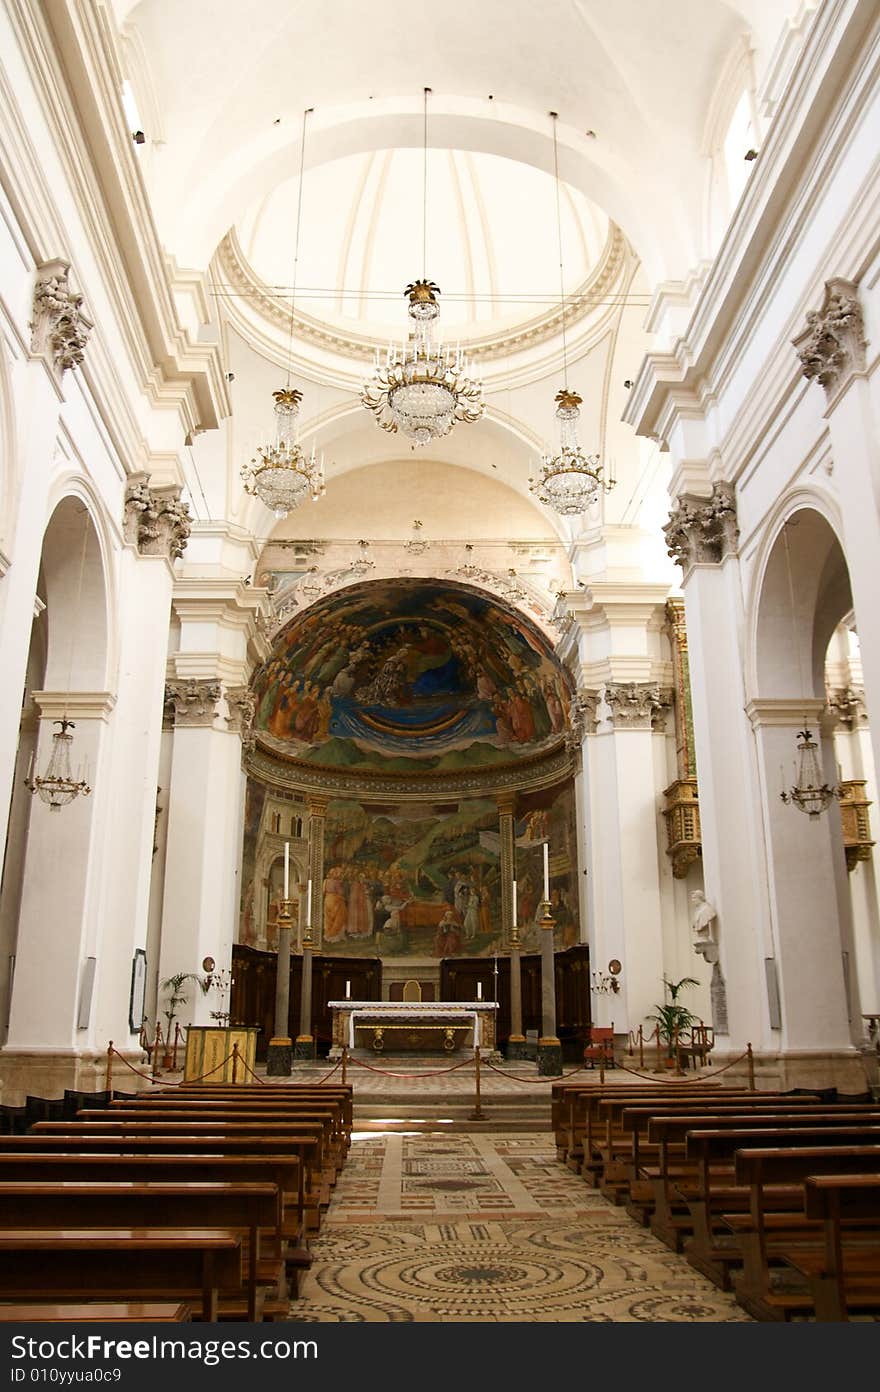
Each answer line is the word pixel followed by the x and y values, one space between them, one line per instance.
pixel 843 1277
pixel 177 1109
pixel 301 1141
pixel 568 1110
pixel 255 1208
pixel 594 1124
pixel 191 1265
pixel 284 1171
pixel 767 1230
pixel 131 1312
pixel 671 1220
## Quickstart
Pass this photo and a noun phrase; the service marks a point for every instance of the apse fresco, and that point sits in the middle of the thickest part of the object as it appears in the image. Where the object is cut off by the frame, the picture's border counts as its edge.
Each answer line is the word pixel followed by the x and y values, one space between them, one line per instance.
pixel 255 799
pixel 412 881
pixel 410 676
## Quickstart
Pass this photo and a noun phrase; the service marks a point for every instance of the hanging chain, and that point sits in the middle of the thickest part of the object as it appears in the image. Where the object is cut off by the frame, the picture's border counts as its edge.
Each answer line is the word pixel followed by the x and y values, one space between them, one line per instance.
pixel 555 116
pixel 299 203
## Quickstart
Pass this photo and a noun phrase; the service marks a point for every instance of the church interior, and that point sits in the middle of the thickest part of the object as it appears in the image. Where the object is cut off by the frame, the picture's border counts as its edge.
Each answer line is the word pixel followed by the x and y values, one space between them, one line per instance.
pixel 439 537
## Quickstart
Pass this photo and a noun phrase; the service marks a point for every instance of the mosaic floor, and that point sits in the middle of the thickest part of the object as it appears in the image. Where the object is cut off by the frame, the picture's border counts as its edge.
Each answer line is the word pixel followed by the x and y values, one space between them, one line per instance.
pixel 486 1228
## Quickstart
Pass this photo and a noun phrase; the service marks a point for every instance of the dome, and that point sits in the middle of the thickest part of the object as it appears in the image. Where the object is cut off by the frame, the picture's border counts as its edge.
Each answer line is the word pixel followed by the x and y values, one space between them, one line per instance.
pixel 491 242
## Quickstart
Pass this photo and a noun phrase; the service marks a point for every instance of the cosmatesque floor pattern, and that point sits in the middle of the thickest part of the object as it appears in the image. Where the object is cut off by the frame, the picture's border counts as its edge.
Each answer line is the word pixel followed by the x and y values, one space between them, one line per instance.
pixel 488 1227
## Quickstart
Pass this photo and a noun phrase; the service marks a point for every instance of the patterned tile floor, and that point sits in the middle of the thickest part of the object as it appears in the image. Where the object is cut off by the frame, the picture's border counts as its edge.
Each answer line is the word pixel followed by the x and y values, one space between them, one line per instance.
pixel 488 1227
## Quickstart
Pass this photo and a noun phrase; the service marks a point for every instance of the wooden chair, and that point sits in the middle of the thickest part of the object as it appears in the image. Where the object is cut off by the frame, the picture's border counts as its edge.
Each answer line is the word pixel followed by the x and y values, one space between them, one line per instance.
pixel 412 991
pixel 700 1046
pixel 600 1046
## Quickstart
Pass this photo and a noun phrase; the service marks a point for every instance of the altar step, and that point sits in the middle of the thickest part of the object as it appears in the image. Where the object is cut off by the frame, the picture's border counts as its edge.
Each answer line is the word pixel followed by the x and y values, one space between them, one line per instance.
pixel 450 1113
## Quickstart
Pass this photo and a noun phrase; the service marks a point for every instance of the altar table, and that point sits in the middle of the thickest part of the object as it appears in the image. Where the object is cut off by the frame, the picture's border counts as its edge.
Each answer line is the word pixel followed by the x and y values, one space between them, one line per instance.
pixel 384 1024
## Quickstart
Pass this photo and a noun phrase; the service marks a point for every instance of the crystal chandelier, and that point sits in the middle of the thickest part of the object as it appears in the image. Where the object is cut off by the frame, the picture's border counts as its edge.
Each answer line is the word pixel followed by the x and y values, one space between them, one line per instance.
pixel 569 480
pixel 423 387
pixel 281 474
pixel 809 794
pixel 57 786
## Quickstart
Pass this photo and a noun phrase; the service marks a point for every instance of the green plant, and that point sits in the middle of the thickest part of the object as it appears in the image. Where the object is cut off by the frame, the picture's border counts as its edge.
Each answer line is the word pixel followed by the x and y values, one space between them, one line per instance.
pixel 175 996
pixel 673 1020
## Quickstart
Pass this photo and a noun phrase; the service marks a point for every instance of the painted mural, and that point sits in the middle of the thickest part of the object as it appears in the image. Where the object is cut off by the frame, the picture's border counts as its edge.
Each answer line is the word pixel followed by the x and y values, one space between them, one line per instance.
pixel 550 818
pixel 255 801
pixel 412 881
pixel 410 676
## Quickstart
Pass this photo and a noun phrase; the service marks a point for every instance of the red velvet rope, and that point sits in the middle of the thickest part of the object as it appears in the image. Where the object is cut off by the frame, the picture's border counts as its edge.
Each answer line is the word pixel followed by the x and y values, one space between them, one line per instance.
pixel 386 1073
pixel 163 1082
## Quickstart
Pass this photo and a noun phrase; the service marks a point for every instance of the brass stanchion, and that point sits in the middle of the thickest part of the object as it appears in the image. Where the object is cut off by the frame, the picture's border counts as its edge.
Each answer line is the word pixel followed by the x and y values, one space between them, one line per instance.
pixel 750 1064
pixel 156 1042
pixel 641 1046
pixel 235 1061
pixel 108 1081
pixel 174 1047
pixel 477 1113
pixel 601 1067
pixel 344 1062
pixel 679 1072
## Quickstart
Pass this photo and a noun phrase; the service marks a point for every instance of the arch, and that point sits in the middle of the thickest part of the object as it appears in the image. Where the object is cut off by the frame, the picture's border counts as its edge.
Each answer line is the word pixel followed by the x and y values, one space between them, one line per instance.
pixel 77 597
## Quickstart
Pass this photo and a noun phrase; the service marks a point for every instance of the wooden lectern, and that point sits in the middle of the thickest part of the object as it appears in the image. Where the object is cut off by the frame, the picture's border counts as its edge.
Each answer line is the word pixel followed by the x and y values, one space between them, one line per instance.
pixel 208 1045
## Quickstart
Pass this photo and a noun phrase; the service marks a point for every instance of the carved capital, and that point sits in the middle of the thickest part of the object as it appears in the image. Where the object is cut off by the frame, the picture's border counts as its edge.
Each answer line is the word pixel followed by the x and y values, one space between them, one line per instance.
pixel 155 520
pixel 242 705
pixel 832 346
pixel 846 707
pixel 59 327
pixel 193 702
pixel 582 720
pixel 703 529
pixel 638 705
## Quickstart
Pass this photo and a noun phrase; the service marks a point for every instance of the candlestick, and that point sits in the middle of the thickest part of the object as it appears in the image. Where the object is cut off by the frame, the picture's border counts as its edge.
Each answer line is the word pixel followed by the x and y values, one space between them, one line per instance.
pixel 309 904
pixel 287 869
pixel 514 901
pixel 547 872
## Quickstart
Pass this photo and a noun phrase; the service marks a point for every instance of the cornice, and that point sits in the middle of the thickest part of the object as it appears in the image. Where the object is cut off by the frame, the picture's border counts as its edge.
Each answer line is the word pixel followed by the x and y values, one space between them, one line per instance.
pixel 360 347
pixel 70 48
pixel 784 712
pixel 804 144
pixel 78 705
pixel 526 775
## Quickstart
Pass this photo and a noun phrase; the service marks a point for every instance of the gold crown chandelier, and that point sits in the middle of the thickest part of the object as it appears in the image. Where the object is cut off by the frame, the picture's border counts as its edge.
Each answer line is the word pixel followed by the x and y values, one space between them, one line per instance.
pixel 569 480
pixel 281 474
pixel 423 387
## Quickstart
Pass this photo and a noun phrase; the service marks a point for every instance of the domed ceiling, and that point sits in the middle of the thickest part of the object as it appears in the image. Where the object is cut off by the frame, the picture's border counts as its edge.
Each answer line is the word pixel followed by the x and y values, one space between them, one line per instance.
pixel 491 241
pixel 409 676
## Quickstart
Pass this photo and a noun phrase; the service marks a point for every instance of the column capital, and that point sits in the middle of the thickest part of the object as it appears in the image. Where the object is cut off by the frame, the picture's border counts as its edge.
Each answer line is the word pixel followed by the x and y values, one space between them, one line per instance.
pixel 846 706
pixel 59 327
pixel 832 346
pixel 583 718
pixel 317 806
pixel 506 803
pixel 702 530
pixel 638 705
pixel 154 519
pixel 193 703
pixel 242 706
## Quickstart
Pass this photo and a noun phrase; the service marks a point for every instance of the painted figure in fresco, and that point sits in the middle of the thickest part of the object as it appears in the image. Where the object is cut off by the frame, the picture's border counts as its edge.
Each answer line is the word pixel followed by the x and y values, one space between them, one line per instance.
pixel 472 915
pixel 335 906
pixel 485 911
pixel 360 908
pixel 447 939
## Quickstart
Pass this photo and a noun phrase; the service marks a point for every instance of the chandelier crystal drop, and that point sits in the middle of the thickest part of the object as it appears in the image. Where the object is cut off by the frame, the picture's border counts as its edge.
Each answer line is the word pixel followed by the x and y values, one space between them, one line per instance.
pixel 423 387
pixel 281 474
pixel 809 794
pixel 57 786
pixel 570 480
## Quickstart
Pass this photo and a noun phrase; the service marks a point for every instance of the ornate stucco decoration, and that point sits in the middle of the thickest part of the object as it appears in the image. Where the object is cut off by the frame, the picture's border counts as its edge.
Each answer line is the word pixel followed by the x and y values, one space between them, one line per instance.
pixel 638 705
pixel 832 346
pixel 155 520
pixel 242 705
pixel 582 719
pixel 193 702
pixel 59 326
pixel 847 706
pixel 703 530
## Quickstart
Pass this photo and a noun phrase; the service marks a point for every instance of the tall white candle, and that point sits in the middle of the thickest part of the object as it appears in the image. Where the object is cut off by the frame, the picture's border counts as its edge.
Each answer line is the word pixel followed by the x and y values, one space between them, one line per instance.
pixel 309 904
pixel 514 901
pixel 479 990
pixel 287 869
pixel 348 990
pixel 547 871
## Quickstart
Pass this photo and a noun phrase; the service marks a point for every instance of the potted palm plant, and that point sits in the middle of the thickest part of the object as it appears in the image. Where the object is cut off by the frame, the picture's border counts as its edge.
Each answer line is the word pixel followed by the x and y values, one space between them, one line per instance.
pixel 672 1018
pixel 175 996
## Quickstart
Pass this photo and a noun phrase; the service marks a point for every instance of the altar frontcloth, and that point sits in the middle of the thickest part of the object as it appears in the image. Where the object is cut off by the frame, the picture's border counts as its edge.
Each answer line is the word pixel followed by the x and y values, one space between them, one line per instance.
pixel 478 1017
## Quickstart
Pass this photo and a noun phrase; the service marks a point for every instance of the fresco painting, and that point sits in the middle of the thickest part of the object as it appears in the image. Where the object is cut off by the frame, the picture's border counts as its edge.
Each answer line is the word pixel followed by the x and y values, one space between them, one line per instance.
pixel 410 676
pixel 405 881
pixel 555 824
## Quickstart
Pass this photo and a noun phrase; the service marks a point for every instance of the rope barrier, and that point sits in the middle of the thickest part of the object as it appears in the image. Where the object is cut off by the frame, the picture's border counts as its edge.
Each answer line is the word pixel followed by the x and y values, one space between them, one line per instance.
pixel 386 1072
pixel 248 1069
pixel 150 1079
pixel 333 1070
pixel 697 1078
pixel 516 1078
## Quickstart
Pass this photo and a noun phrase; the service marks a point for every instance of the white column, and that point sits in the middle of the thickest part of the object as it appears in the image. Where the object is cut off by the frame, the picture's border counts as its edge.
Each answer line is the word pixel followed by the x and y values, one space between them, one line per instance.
pixel 60 920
